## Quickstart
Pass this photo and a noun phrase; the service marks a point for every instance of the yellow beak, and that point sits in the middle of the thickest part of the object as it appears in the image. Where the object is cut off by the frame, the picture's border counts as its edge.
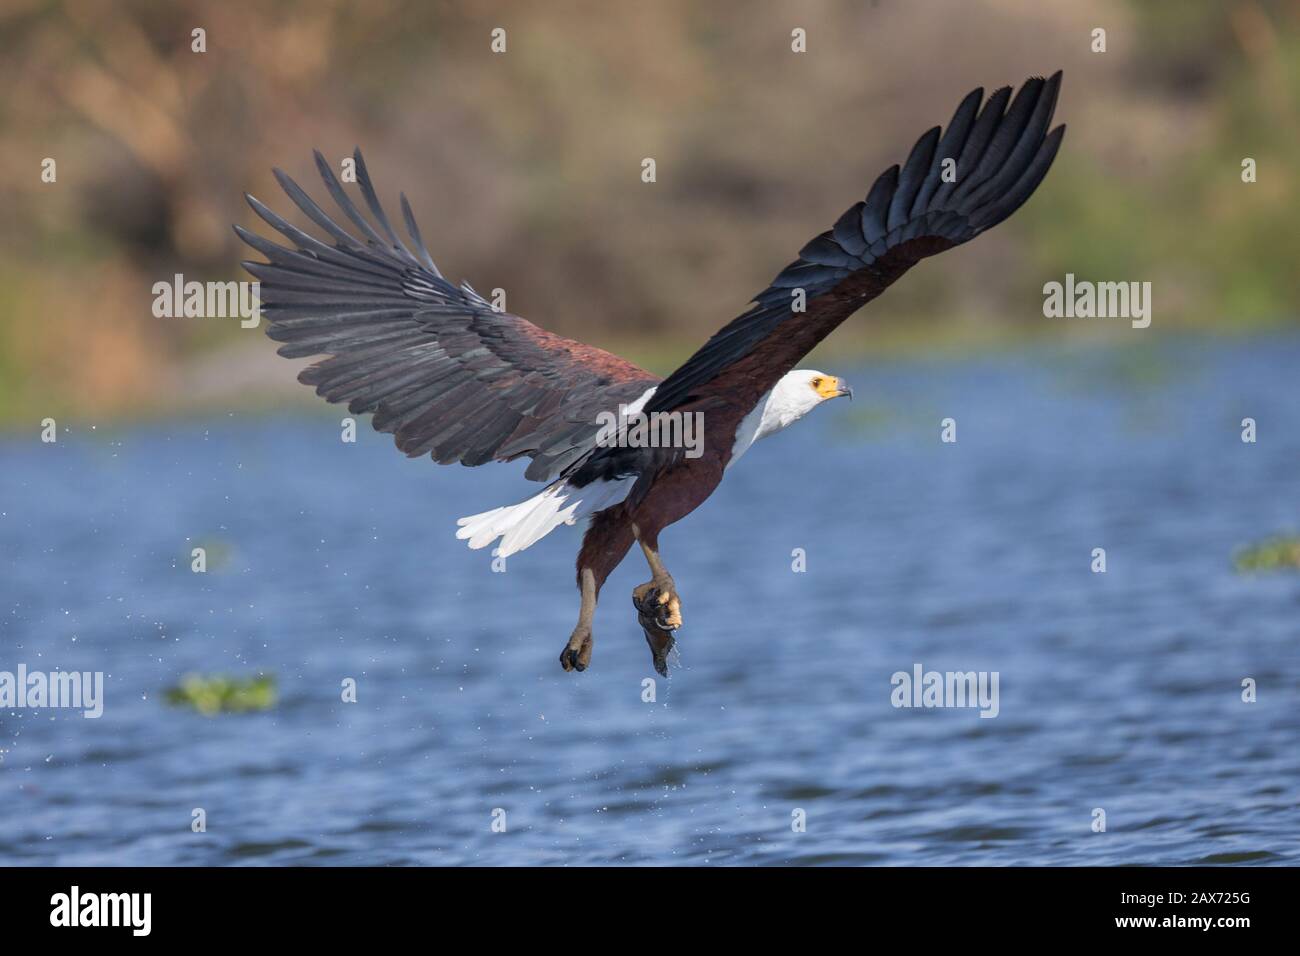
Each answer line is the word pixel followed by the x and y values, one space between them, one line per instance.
pixel 832 387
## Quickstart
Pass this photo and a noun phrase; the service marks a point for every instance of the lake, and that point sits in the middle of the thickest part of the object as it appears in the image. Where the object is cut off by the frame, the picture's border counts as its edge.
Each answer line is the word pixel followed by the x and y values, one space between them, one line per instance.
pixel 774 740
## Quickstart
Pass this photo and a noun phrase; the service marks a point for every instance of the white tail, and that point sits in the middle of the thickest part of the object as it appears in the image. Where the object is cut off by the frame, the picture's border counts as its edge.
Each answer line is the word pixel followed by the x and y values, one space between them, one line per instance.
pixel 528 522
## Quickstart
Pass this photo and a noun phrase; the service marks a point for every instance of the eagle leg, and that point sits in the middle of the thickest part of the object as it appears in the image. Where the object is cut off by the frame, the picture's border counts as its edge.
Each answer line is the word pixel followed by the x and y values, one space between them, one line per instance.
pixel 577 653
pixel 658 596
pixel 659 608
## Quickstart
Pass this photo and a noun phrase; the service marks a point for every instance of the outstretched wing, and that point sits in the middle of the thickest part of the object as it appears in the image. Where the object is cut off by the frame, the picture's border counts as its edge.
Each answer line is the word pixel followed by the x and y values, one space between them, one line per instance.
pixel 442 372
pixel 1000 157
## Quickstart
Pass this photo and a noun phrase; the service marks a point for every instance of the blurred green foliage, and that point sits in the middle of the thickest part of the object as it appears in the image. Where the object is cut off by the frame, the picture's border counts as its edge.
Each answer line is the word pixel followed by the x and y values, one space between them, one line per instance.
pixel 219 694
pixel 523 167
pixel 1276 553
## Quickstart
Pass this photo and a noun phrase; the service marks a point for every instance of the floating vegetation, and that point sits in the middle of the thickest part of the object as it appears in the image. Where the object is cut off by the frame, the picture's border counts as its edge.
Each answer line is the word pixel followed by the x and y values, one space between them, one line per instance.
pixel 219 694
pixel 1282 551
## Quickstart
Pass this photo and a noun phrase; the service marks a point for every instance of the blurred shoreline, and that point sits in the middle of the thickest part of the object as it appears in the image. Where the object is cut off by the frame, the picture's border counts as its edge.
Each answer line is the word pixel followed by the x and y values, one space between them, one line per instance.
pixel 251 379
pixel 523 169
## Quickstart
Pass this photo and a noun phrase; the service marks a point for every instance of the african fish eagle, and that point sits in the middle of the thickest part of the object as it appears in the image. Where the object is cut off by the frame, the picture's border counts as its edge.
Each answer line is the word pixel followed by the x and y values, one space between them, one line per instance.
pixel 450 377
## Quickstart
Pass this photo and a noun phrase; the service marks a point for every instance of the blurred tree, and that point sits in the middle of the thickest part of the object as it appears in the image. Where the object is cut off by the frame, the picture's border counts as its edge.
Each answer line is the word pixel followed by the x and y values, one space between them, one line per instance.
pixel 523 166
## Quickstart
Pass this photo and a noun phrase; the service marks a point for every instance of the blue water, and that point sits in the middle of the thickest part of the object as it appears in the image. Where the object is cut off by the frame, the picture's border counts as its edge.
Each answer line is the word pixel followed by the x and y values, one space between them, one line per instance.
pixel 1119 691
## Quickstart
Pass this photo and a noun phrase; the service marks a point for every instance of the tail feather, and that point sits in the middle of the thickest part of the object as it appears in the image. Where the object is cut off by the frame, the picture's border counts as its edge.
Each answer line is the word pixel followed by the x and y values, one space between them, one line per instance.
pixel 524 524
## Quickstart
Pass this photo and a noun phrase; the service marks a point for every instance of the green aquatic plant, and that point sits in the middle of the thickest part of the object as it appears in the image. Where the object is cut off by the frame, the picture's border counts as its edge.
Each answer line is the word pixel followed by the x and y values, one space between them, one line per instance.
pixel 1282 551
pixel 218 693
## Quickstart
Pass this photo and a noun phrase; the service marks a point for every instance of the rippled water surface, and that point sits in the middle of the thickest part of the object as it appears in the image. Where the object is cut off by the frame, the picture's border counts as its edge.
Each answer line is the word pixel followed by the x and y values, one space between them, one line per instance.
pixel 1119 691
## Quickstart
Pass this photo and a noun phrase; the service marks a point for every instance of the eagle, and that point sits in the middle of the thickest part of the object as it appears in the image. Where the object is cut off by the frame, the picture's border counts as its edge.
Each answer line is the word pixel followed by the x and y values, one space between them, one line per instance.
pixel 453 377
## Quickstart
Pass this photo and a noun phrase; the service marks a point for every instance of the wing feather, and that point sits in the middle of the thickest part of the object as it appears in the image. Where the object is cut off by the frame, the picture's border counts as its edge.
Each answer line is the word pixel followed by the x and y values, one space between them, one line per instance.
pixel 440 370
pixel 1002 153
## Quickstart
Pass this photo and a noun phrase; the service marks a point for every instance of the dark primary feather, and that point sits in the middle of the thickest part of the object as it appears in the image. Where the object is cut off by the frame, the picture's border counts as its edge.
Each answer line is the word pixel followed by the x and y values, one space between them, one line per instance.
pixel 1002 153
pixel 442 372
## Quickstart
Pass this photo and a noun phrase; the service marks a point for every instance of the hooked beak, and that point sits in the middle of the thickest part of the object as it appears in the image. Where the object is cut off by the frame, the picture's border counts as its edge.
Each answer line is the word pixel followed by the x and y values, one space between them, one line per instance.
pixel 844 389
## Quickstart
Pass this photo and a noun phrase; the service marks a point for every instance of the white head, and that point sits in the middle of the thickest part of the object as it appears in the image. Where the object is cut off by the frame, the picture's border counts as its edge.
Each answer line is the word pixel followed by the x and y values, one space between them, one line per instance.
pixel 797 394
